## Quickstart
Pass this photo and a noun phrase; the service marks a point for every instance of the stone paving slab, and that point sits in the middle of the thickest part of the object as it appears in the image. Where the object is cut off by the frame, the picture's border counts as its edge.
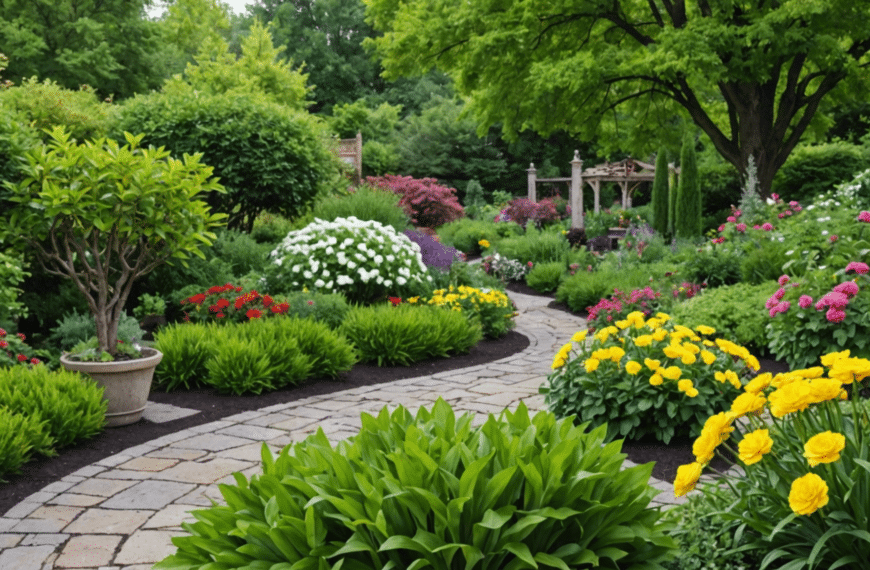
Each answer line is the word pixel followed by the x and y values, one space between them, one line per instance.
pixel 121 513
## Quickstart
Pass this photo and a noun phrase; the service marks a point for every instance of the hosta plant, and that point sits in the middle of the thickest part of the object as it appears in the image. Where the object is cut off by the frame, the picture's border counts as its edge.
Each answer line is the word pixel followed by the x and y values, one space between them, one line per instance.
pixel 491 308
pixel 432 491
pixel 646 378
pixel 804 448
pixel 364 260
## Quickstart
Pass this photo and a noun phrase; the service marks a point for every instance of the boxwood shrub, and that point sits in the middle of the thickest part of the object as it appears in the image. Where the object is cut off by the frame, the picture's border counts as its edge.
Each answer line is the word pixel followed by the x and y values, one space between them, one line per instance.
pixel 432 491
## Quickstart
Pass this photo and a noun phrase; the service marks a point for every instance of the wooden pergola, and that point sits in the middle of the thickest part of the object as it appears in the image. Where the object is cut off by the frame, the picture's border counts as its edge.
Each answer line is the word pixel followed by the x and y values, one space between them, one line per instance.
pixel 628 173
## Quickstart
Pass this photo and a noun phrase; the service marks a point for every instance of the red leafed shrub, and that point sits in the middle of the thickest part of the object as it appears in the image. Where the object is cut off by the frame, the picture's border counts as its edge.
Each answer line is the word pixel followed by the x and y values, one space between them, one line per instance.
pixel 427 203
pixel 523 210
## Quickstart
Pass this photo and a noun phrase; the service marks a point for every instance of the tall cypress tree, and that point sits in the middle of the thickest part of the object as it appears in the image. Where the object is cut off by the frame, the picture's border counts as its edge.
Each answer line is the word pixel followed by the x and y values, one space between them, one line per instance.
pixel 660 193
pixel 687 207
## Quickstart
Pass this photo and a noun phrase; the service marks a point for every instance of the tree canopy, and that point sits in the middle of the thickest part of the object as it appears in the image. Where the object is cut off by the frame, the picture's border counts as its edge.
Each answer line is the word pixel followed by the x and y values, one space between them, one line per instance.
pixel 752 76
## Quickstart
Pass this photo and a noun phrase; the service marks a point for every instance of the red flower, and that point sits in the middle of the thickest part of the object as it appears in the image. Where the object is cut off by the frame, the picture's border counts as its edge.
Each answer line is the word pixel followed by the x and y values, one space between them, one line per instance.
pixel 833 238
pixel 395 300
pixel 267 300
pixel 310 302
pixel 2 333
pixel 35 361
pixel 197 299
pixel 214 309
pixel 21 336
pixel 22 358
pixel 254 314
pixel 222 303
pixel 3 344
pixel 215 289
pixel 220 315
pixel 238 289
pixel 239 302
pixel 228 287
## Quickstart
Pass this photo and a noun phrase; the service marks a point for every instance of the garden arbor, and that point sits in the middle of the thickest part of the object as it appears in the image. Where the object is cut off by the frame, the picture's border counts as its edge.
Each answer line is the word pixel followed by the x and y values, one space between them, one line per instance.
pixel 628 173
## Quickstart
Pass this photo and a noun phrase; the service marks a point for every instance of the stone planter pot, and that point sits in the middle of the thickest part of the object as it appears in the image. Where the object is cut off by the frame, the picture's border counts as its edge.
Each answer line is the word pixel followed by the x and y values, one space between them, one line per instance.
pixel 126 384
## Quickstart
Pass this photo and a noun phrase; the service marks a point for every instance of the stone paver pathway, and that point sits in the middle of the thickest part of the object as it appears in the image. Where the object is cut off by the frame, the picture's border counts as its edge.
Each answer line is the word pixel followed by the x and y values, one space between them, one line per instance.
pixel 120 513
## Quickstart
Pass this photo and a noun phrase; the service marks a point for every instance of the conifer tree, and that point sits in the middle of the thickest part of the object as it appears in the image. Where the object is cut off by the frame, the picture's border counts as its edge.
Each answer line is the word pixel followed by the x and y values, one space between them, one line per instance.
pixel 660 192
pixel 687 207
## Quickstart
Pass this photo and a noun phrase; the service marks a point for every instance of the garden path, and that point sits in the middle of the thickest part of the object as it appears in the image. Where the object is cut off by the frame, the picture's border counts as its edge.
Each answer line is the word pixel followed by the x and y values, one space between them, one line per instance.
pixel 121 512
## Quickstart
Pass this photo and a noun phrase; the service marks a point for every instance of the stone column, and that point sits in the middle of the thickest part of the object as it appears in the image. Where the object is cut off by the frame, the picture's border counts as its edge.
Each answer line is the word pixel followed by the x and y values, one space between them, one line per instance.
pixel 596 187
pixel 576 195
pixel 533 176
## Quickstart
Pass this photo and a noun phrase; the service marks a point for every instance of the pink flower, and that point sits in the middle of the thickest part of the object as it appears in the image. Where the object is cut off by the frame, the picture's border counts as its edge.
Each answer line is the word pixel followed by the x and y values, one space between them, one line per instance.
pixel 775 197
pixel 731 219
pixel 857 267
pixel 769 304
pixel 864 216
pixel 849 288
pixel 3 344
pixel 767 226
pixel 835 315
pixel 833 238
pixel 530 264
pixel 737 213
pixel 756 227
pixel 779 308
pixel 783 279
pixel 740 227
pixel 835 299
pixel 2 333
pixel 781 215
pixel 718 240
pixel 722 228
pixel 793 204
pixel 35 361
pixel 787 212
pixel 798 208
pixel 805 301
pixel 780 293
pixel 21 336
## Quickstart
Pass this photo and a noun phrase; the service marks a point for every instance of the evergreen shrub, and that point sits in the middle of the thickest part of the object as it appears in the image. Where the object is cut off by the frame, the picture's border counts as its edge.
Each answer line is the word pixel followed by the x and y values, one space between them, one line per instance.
pixel 814 169
pixel 433 491
pixel 535 246
pixel 545 277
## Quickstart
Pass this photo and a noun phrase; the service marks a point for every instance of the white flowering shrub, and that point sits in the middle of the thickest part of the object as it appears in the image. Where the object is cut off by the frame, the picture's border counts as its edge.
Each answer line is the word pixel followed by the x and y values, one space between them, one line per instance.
pixel 363 260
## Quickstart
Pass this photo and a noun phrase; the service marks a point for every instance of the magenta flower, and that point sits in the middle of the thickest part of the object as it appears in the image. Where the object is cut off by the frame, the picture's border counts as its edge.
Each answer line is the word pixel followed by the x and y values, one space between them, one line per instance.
pixel 783 279
pixel 833 238
pixel 805 301
pixel 722 228
pixel 779 308
pixel 767 226
pixel 835 315
pixel 781 215
pixel 756 227
pixel 793 204
pixel 864 216
pixel 849 289
pixel 771 303
pixel 740 227
pixel 737 213
pixel 775 196
pixel 780 293
pixel 857 267
pixel 731 219
pixel 834 299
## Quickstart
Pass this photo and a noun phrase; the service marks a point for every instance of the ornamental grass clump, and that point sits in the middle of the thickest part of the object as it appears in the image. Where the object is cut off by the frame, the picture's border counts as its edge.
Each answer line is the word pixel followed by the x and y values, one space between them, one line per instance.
pixel 363 260
pixel 803 494
pixel 492 309
pixel 646 378
pixel 431 490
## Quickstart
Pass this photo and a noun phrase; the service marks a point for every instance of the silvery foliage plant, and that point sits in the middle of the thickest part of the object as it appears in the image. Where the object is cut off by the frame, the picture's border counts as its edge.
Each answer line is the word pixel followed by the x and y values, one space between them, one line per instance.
pixel 364 260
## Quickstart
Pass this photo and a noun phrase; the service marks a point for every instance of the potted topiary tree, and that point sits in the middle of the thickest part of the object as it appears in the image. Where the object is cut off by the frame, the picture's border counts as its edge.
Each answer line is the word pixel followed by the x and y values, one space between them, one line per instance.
pixel 103 215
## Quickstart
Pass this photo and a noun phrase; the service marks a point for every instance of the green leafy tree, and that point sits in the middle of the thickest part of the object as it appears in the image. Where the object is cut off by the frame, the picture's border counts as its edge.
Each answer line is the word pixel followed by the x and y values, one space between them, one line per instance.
pixel 687 206
pixel 751 76
pixel 660 192
pixel 187 25
pixel 108 44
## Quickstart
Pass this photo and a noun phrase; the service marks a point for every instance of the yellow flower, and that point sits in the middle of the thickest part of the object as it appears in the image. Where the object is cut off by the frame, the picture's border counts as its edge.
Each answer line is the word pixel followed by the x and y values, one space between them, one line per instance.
pixel 602 335
pixel 671 372
pixel 810 373
pixel 643 340
pixel 703 329
pixel 656 380
pixel 558 362
pixel 759 383
pixel 659 334
pixel 623 324
pixel 688 358
pixel 591 364
pixel 654 324
pixel 808 494
pixel 673 351
pixel 747 402
pixel 708 357
pixel 692 348
pixel 704 447
pixel 601 354
pixel 579 336
pixel 483 243
pixel 754 445
pixel 687 478
pixel 829 359
pixel 706 342
pixel 824 389
pixel 616 353
pixel 792 397
pixel 632 367
pixel 752 362
pixel 635 318
pixel 652 364
pixel 663 316
pixel 848 369
pixel 685 385
pixel 413 300
pixel 612 329
pixel 719 425
pixel 824 448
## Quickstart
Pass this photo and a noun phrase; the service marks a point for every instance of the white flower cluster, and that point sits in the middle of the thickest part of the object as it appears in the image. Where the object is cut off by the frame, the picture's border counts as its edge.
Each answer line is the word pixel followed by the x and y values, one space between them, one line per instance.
pixel 358 258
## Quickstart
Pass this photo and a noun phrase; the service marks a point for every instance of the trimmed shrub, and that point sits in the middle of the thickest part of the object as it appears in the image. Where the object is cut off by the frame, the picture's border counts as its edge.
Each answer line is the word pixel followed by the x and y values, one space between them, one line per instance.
pixel 470 275
pixel 364 203
pixel 186 349
pixel 735 311
pixel 714 266
pixel 466 234
pixel 582 291
pixel 763 263
pixel 271 228
pixel 431 490
pixel 474 200
pixel 240 251
pixel 364 260
pixel 327 308
pixel 71 404
pixel 535 246
pixel 522 211
pixel 660 193
pixel 545 277
pixel 407 333
pixel 427 203
pixel 20 437
pixel 687 209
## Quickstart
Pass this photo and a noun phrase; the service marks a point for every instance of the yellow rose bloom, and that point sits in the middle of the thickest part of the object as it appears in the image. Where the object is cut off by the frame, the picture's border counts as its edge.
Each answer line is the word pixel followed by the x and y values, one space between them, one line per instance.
pixel 656 380
pixel 824 389
pixel 759 383
pixel 808 494
pixel 829 359
pixel 579 336
pixel 810 373
pixel 708 357
pixel 652 364
pixel 643 340
pixel 705 330
pixel 719 425
pixel 704 447
pixel 824 448
pixel 790 398
pixel 591 364
pixel 687 478
pixel 672 372
pixel 753 446
pixel 632 367
pixel 784 378
pixel 847 370
pixel 747 403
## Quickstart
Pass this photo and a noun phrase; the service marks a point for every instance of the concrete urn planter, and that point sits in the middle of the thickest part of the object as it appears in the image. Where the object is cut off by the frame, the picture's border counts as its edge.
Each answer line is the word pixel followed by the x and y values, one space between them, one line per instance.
pixel 126 384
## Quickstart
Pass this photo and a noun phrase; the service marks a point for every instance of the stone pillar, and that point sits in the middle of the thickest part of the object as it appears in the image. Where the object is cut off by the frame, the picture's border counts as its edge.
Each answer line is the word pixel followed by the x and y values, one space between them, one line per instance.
pixel 626 200
pixel 575 197
pixel 533 176
pixel 596 187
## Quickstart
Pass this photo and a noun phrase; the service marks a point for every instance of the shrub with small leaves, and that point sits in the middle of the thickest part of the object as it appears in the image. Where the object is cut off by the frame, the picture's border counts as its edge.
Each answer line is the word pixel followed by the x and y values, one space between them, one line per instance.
pixel 522 211
pixel 426 202
pixel 545 277
pixel 432 490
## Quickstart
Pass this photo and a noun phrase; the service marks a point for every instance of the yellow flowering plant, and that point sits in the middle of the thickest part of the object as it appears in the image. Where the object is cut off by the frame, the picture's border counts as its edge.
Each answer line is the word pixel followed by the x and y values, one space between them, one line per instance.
pixel 492 308
pixel 803 447
pixel 646 378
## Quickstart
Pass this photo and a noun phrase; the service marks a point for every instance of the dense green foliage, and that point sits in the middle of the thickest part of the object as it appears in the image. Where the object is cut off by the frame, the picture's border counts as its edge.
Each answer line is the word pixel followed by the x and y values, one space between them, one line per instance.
pixel 401 335
pixel 535 246
pixel 78 327
pixel 364 203
pixel 432 491
pixel 545 277
pixel 20 437
pixel 812 170
pixel 713 266
pixel 660 193
pixel 465 234
pixel 687 208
